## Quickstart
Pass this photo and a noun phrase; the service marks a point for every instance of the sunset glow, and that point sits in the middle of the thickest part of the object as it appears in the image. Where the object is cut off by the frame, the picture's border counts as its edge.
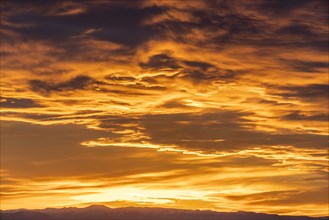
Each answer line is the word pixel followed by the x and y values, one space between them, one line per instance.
pixel 215 105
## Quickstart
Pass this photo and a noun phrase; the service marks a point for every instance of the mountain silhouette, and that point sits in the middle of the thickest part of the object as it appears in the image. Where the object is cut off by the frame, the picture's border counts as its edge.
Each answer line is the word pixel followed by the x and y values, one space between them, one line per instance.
pixel 100 212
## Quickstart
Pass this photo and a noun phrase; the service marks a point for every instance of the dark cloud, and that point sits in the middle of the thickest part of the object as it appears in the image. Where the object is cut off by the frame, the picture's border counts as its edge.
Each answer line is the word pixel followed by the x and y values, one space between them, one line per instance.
pixel 311 92
pixel 259 31
pixel 281 7
pixel 161 61
pixel 77 83
pixel 306 66
pixel 271 42
pixel 18 103
pixel 50 72
pixel 174 104
pixel 110 121
pixel 200 65
pixel 32 2
pixel 220 131
pixel 298 116
pixel 269 102
pixel 195 75
pixel 224 22
pixel 120 78
pixel 190 70
pixel 297 29
pixel 197 71
pixel 116 23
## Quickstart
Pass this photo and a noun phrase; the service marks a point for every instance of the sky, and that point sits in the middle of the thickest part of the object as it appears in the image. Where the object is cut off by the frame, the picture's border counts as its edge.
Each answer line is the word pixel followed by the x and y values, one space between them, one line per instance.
pixel 218 105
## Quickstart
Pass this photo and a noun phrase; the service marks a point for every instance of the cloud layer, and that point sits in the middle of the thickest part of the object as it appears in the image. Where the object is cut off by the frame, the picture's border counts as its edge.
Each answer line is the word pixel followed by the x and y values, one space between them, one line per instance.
pixel 190 104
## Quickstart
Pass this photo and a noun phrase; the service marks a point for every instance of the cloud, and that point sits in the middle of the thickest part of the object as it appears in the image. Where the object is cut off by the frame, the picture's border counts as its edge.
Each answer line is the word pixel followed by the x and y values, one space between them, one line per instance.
pixel 121 26
pixel 306 66
pixel 298 116
pixel 184 129
pixel 19 103
pixel 161 61
pixel 308 92
pixel 77 83
pixel 280 8
pixel 103 97
pixel 296 197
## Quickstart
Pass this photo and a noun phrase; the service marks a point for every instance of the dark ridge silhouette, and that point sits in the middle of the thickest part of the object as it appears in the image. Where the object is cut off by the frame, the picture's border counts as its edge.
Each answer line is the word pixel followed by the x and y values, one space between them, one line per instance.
pixel 99 212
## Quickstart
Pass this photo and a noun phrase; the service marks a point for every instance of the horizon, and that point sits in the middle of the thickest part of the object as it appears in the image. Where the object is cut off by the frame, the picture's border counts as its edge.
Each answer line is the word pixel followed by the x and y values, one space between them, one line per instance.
pixel 196 105
pixel 146 207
